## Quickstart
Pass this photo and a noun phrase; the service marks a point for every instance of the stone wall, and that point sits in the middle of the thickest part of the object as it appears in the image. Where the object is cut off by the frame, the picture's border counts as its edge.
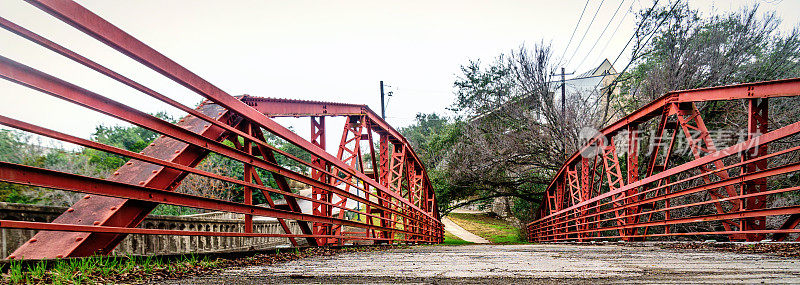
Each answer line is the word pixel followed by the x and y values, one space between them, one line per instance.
pixel 136 244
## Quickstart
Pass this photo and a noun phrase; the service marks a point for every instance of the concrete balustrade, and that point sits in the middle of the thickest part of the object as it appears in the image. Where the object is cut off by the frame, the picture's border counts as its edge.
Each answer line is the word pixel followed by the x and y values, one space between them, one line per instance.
pixel 136 244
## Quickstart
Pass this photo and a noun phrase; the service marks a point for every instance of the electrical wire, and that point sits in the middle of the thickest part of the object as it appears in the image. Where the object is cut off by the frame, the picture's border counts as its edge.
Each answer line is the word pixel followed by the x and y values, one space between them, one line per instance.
pixel 601 35
pixel 648 36
pixel 586 32
pixel 575 29
pixel 617 28
pixel 649 12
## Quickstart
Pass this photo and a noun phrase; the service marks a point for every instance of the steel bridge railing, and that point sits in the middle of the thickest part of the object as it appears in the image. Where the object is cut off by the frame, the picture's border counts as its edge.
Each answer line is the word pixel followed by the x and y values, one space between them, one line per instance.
pixel 397 198
pixel 743 192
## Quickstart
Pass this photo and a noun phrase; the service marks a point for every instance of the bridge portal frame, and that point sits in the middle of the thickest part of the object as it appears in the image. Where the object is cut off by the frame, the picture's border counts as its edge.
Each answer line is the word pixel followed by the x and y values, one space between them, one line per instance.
pixel 233 127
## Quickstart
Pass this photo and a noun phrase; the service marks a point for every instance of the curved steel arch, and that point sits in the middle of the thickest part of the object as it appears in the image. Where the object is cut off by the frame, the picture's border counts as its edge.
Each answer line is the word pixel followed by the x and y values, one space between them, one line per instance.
pixel 604 192
pixel 398 201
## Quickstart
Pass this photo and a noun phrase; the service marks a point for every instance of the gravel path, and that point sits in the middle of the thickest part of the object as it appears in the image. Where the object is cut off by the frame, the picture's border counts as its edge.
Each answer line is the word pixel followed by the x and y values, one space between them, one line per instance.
pixel 514 264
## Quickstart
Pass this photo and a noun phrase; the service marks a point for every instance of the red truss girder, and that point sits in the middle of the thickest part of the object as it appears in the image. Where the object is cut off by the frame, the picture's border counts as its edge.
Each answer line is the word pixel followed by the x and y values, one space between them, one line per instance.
pixel 113 207
pixel 723 191
pixel 388 136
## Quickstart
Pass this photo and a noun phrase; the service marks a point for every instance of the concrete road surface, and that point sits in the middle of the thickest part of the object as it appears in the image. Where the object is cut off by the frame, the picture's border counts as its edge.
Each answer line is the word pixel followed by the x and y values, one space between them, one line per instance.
pixel 519 264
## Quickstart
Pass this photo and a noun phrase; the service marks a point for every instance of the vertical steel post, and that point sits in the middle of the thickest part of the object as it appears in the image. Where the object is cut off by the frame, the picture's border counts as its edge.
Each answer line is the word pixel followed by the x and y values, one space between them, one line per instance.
pixel 248 177
pixel 633 176
pixel 586 192
pixel 319 209
pixel 757 124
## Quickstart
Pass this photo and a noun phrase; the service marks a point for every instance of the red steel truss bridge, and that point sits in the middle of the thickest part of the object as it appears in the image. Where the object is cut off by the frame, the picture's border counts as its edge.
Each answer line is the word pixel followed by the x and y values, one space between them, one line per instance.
pixel 397 202
pixel 684 183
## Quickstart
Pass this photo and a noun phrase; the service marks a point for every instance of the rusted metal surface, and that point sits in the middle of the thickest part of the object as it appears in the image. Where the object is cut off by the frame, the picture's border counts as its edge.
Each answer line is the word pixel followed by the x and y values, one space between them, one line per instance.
pixel 689 185
pixel 113 207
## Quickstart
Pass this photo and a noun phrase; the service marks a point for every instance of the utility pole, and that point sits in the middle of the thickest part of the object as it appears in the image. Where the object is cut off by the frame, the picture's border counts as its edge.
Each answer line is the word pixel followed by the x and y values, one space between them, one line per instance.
pixel 564 93
pixel 564 101
pixel 383 105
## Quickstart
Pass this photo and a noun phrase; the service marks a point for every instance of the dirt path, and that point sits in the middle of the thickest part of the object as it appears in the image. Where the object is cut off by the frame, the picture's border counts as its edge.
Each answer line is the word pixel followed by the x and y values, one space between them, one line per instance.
pixel 461 233
pixel 515 264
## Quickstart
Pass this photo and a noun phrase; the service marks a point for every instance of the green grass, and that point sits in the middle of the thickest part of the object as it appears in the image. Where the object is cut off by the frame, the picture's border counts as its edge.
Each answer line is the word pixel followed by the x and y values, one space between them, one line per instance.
pixel 493 229
pixel 450 239
pixel 96 269
pixel 172 210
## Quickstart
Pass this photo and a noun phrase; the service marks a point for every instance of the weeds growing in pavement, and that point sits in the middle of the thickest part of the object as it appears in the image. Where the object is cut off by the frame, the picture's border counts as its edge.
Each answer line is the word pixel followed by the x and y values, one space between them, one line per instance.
pixel 15 273
pixel 102 269
pixel 137 269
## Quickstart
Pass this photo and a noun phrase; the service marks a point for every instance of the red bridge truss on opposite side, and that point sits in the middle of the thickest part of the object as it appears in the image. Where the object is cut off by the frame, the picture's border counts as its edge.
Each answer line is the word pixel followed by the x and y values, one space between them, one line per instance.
pixel 745 191
pixel 396 202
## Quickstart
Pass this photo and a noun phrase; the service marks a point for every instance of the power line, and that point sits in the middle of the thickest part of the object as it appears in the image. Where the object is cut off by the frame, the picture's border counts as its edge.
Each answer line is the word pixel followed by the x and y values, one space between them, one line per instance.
pixel 617 28
pixel 648 36
pixel 649 12
pixel 601 34
pixel 613 83
pixel 639 27
pixel 574 30
pixel 586 32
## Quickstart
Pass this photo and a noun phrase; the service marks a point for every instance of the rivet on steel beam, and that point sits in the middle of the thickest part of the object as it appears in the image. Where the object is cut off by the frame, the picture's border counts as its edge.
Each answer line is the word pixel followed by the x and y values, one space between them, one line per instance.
pixel 70 210
pixel 87 197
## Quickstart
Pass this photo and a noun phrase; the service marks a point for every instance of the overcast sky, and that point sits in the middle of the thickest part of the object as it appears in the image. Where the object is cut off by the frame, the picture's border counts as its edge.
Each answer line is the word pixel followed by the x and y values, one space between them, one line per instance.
pixel 318 50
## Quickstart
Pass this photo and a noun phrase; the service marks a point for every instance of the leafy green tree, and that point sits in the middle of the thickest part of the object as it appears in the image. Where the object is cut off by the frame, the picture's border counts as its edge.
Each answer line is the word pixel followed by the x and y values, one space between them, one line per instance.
pixel 432 137
pixel 22 148
pixel 132 138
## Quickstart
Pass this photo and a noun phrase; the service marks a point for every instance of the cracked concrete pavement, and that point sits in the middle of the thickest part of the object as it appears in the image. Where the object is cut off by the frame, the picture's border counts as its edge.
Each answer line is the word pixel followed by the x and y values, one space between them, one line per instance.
pixel 512 264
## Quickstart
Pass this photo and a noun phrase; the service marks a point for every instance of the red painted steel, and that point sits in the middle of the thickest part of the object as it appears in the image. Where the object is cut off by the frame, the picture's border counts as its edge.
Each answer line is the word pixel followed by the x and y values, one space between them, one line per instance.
pixel 688 185
pixel 113 207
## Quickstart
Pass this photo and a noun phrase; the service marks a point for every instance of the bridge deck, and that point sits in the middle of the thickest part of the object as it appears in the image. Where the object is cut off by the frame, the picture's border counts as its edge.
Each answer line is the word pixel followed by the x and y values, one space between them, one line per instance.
pixel 513 264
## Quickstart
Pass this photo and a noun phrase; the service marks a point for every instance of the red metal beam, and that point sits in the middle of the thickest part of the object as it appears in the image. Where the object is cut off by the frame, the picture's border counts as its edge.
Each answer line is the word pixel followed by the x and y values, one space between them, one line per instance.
pixel 96 224
pixel 93 25
pixel 741 212
pixel 38 177
pixel 766 89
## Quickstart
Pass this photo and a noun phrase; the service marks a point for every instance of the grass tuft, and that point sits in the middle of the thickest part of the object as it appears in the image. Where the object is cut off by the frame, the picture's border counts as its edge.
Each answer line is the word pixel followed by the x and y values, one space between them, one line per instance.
pixel 450 239
pixel 102 269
